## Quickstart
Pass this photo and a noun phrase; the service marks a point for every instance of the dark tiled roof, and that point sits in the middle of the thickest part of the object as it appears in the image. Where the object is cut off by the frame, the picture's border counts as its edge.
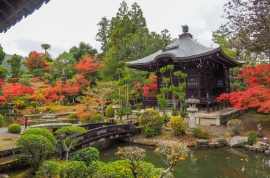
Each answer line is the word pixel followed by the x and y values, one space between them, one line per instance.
pixel 13 11
pixel 183 47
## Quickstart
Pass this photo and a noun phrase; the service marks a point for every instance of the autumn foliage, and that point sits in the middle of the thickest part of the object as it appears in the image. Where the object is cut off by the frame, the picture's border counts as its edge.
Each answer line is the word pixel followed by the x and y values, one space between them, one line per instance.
pixel 88 65
pixel 257 93
pixel 35 60
pixel 150 86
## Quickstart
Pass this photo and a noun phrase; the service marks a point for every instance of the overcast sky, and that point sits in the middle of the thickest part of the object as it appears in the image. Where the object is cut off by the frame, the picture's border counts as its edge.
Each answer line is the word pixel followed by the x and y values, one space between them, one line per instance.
pixel 65 23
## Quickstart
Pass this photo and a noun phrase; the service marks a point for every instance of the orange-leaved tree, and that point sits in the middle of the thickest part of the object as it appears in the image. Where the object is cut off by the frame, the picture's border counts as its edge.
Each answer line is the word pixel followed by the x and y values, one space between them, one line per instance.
pixel 35 60
pixel 256 90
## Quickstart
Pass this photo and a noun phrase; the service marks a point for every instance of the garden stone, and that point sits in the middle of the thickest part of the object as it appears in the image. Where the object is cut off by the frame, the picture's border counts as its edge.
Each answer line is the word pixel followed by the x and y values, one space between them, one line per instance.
pixel 259 130
pixel 267 152
pixel 222 142
pixel 237 142
pixel 214 144
pixel 265 140
pixel 4 176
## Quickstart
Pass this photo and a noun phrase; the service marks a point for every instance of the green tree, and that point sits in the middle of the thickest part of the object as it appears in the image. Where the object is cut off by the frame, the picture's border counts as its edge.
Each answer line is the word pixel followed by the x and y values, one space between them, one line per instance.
pixel 83 49
pixel 15 66
pixel 86 155
pixel 102 35
pixel 45 47
pixel 103 91
pixel 2 54
pixel 36 144
pixel 64 62
pixel 68 135
pixel 49 168
pixel 3 72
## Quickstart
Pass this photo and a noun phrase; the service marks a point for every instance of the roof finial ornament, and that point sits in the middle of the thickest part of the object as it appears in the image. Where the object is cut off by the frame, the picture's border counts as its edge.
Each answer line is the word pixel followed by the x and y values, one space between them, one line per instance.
pixel 185 28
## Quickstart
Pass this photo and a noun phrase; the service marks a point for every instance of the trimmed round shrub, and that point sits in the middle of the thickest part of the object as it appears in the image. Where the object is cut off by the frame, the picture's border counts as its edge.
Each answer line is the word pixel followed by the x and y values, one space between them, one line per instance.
pixel 178 125
pixel 94 119
pixel 49 168
pixel 86 155
pixel 42 132
pixel 74 169
pixel 252 137
pixel 14 128
pixel 72 116
pixel 235 126
pixel 1 120
pixel 95 166
pixel 151 123
pixel 109 111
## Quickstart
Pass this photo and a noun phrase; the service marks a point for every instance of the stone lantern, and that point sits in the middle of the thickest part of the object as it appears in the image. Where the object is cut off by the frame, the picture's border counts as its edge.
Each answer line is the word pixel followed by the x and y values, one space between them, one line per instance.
pixel 115 107
pixel 63 77
pixel 192 110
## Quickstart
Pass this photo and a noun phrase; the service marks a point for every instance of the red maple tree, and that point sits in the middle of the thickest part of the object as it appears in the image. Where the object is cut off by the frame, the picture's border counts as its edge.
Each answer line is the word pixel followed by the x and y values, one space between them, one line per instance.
pixel 150 86
pixel 35 60
pixel 88 65
pixel 11 90
pixel 256 94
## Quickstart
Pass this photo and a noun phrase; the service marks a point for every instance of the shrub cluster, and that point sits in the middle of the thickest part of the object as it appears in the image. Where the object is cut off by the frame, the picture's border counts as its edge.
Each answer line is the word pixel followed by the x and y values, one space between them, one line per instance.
pixel 94 119
pixel 200 133
pixel 178 125
pixel 109 111
pixel 86 155
pixel 252 136
pixel 235 126
pixel 14 128
pixel 151 123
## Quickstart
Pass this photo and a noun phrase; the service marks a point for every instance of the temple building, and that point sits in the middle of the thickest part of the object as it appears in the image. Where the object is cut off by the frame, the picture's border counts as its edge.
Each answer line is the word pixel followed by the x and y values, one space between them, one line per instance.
pixel 207 68
pixel 13 11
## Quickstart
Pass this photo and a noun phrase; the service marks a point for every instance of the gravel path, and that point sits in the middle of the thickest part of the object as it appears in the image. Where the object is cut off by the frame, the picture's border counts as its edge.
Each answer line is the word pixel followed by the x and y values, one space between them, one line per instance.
pixel 7 140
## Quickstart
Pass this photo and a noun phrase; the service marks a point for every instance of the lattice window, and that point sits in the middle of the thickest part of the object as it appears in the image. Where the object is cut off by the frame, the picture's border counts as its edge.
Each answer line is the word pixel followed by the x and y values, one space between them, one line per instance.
pixel 193 82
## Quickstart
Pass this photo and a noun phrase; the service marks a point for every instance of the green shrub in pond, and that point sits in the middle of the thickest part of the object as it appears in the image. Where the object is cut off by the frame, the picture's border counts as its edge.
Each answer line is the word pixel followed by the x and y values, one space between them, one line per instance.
pixel 151 123
pixel 14 128
pixel 109 111
pixel 235 126
pixel 252 136
pixel 1 120
pixel 178 125
pixel 86 155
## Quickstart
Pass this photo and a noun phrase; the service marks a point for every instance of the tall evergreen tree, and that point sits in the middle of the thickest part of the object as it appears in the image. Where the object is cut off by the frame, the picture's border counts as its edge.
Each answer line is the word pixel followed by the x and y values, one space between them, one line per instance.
pixel 46 47
pixel 15 66
pixel 102 35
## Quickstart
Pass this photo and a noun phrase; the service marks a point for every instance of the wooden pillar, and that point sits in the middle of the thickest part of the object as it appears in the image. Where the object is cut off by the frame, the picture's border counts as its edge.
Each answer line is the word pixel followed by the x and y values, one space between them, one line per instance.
pixel 25 123
pixel 200 85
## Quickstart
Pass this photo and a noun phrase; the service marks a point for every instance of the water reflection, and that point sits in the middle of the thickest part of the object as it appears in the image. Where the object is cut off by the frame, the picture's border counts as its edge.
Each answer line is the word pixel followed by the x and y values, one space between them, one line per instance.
pixel 227 163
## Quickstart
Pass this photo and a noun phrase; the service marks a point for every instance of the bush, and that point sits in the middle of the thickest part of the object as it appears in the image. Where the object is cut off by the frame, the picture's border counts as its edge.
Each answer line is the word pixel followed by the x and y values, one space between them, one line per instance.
pixel 95 118
pixel 33 103
pixel 178 125
pixel 72 116
pixel 235 126
pixel 48 168
pixel 109 111
pixel 14 128
pixel 95 166
pixel 196 132
pixel 252 136
pixel 74 169
pixel 199 133
pixel 86 155
pixel 151 123
pixel 1 120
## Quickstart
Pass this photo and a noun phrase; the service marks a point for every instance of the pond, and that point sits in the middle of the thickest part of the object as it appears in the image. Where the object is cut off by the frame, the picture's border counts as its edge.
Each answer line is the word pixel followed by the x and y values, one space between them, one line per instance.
pixel 207 163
